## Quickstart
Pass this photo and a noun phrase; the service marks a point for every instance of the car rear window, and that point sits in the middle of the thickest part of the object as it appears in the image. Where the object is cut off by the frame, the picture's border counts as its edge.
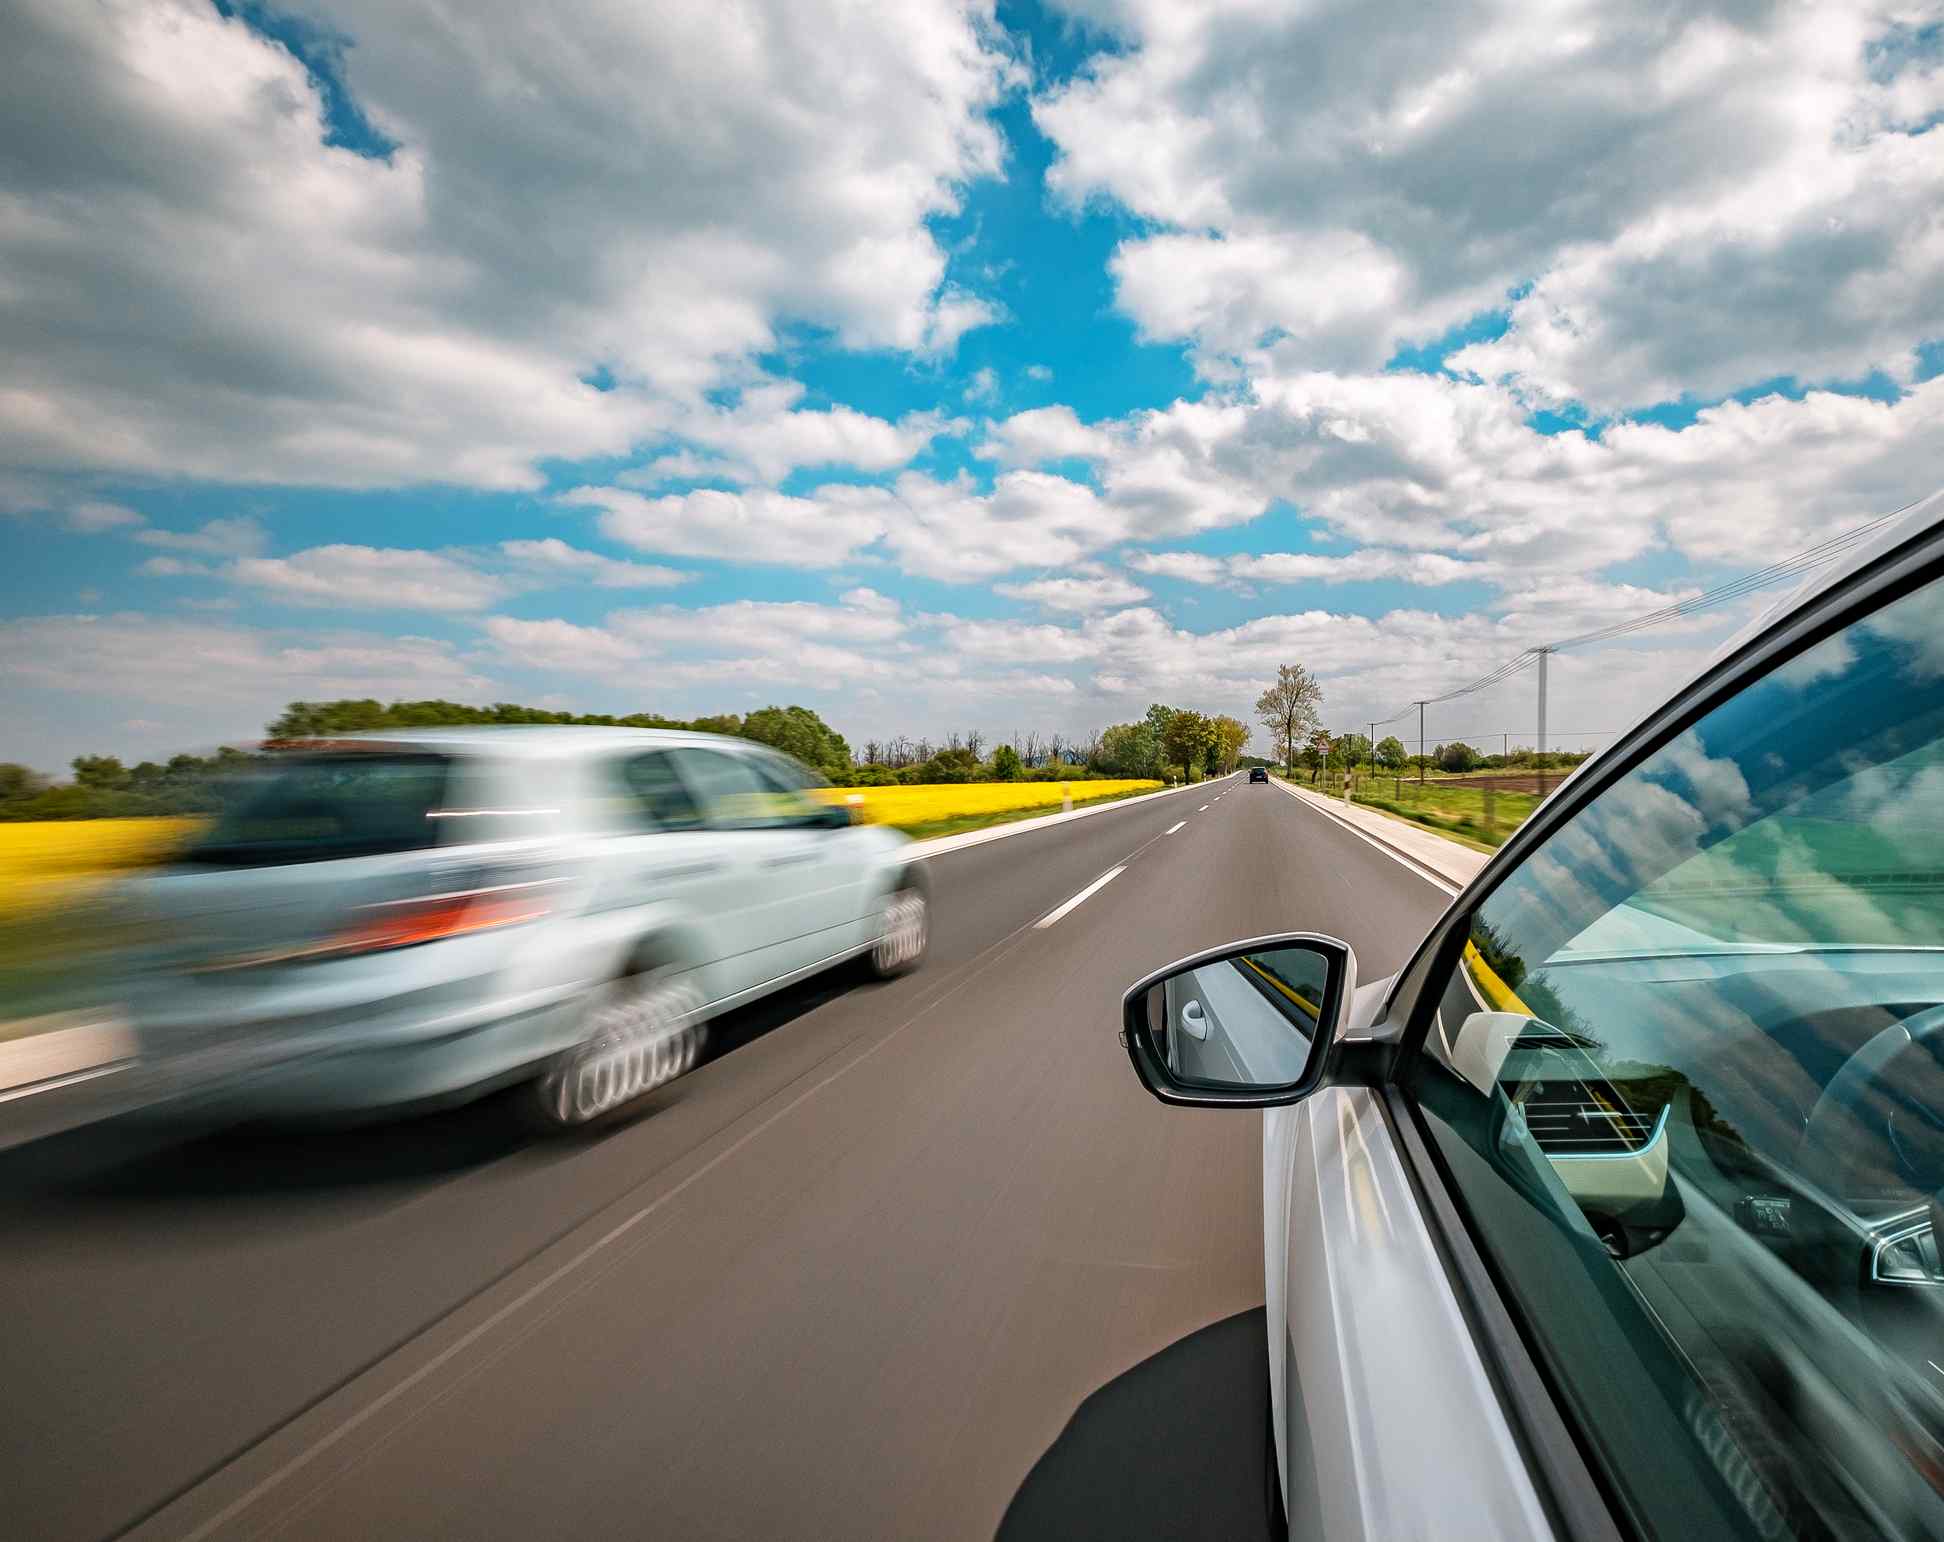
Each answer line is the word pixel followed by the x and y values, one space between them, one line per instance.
pixel 320 808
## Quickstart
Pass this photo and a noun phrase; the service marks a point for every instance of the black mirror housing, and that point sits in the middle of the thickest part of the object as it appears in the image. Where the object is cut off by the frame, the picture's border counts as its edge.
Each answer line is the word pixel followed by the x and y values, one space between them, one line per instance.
pixel 1246 1025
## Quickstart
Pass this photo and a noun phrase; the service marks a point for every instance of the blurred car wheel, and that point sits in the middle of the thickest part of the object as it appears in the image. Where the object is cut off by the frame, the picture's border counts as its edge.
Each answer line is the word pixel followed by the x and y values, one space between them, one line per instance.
pixel 636 1038
pixel 905 931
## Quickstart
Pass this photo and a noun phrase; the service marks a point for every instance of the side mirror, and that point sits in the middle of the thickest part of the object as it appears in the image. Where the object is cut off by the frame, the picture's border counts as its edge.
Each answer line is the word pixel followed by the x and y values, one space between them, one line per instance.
pixel 820 814
pixel 1245 1025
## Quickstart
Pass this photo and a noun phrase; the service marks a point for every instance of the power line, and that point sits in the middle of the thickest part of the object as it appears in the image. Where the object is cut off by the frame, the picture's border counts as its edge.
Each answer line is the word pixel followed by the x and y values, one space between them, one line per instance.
pixel 1789 567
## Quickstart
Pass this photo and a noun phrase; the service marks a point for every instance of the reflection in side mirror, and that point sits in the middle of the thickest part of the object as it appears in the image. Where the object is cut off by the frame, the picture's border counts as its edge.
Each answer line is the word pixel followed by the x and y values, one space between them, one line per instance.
pixel 1248 1023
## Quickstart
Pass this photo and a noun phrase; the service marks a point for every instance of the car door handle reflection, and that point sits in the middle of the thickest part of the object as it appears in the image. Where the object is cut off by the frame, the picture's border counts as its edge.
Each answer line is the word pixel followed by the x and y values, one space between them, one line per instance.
pixel 1194 1022
pixel 791 859
pixel 691 870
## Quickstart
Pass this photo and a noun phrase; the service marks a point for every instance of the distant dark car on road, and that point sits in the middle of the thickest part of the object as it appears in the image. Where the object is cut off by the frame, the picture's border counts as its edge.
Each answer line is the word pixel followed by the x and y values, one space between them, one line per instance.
pixel 1258 774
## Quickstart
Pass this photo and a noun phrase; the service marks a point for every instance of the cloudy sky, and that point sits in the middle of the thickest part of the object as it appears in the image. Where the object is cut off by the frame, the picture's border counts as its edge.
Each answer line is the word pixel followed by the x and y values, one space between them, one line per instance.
pixel 935 364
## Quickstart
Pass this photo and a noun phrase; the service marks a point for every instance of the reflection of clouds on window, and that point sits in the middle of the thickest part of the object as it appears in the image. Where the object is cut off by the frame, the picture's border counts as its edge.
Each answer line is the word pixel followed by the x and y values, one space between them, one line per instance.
pixel 1718 787
pixel 1808 810
pixel 1917 621
pixel 1636 832
pixel 1901 799
pixel 1831 656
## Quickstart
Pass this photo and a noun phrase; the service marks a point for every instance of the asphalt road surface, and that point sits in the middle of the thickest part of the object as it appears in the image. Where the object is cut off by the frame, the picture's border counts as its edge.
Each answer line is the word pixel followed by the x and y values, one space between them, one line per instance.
pixel 849 1279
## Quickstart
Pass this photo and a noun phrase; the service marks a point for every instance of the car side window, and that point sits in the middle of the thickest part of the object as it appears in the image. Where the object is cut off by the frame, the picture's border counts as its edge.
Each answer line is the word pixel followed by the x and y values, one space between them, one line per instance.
pixel 733 795
pixel 1686 1077
pixel 789 785
pixel 657 796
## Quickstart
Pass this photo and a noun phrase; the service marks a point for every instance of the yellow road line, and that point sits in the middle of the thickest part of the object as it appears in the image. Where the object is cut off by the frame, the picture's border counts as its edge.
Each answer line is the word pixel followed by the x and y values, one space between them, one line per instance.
pixel 1501 996
pixel 1307 1005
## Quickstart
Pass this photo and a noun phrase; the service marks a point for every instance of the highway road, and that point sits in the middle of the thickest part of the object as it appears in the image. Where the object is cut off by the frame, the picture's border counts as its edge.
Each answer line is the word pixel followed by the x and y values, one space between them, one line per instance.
pixel 849 1279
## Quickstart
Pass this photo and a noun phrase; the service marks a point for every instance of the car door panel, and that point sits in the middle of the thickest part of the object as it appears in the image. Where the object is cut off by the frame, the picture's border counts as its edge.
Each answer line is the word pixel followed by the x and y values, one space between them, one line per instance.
pixel 777 860
pixel 1393 1427
pixel 834 902
pixel 662 862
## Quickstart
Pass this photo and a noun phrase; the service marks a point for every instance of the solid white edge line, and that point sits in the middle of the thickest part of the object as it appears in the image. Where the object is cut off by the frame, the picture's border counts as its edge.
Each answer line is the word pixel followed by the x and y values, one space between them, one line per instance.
pixel 1085 894
pixel 1172 828
pixel 55 1083
pixel 1422 869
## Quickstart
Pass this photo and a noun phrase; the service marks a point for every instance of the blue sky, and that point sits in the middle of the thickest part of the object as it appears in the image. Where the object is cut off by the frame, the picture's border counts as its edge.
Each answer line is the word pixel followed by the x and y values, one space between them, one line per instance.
pixel 953 366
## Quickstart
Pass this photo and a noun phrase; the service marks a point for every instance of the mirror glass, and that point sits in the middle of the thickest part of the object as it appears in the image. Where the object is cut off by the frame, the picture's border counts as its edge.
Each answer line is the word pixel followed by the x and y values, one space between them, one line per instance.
pixel 1249 1020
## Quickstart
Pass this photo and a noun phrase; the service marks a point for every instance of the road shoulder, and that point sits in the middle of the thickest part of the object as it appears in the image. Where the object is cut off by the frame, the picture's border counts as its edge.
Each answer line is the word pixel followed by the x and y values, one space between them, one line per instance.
pixel 1419 847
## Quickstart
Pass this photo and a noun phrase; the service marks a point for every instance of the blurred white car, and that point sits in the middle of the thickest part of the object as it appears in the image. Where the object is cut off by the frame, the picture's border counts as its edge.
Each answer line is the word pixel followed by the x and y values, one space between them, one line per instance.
pixel 391 919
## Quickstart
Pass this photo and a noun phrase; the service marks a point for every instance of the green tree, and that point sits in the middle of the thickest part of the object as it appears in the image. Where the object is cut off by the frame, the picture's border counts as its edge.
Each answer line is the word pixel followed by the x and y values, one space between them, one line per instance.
pixel 103 772
pixel 1006 764
pixel 314 719
pixel 1352 750
pixel 1130 749
pixel 1390 752
pixel 1288 709
pixel 18 782
pixel 1230 735
pixel 1187 741
pixel 959 765
pixel 1457 757
pixel 800 732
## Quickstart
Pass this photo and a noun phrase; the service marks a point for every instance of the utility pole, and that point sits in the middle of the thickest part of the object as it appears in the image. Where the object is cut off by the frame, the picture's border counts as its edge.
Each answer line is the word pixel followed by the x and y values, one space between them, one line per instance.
pixel 1420 707
pixel 1540 757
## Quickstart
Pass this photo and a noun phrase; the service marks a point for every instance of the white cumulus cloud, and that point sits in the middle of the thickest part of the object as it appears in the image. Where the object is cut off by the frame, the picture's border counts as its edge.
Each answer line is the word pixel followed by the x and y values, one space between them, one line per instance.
pixel 371 578
pixel 553 559
pixel 1079 595
pixel 200 281
pixel 1697 200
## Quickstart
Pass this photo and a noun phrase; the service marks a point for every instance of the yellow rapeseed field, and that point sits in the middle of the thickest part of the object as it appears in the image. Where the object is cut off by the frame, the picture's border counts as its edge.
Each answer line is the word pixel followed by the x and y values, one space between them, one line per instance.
pixel 40 859
pixel 45 861
pixel 932 802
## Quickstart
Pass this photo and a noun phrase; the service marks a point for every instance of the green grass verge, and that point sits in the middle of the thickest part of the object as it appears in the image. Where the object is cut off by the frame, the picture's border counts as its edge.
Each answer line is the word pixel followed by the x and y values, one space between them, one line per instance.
pixel 1450 808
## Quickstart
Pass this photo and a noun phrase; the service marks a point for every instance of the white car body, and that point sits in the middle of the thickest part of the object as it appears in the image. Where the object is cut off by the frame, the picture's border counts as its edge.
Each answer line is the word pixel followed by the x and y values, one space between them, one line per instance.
pixel 244 985
pixel 1408 1393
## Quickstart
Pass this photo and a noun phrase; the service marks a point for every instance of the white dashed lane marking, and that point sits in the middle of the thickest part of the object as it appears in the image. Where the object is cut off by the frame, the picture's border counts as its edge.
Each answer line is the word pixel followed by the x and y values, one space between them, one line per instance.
pixel 1087 893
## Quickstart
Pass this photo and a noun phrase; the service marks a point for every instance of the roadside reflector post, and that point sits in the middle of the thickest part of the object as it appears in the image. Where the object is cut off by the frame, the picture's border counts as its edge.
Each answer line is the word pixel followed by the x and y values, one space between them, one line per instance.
pixel 1066 797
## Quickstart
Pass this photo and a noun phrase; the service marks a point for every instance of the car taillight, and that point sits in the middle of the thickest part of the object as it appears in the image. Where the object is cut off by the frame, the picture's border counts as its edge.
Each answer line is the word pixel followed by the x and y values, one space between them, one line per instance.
pixel 408 922
pixel 405 923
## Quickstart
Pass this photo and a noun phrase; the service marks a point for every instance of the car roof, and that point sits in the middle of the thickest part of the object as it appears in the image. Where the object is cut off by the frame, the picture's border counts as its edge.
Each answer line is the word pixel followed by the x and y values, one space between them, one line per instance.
pixel 533 741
